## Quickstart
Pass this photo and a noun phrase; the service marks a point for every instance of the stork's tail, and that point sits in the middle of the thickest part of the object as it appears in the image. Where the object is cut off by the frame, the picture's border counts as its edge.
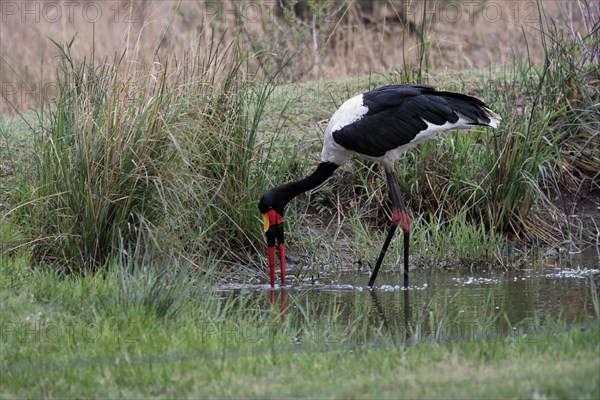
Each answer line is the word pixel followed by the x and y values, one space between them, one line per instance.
pixel 471 108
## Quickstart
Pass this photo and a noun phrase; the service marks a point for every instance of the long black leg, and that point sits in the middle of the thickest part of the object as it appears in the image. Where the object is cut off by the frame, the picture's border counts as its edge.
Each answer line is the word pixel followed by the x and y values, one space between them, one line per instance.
pixel 399 215
pixel 386 243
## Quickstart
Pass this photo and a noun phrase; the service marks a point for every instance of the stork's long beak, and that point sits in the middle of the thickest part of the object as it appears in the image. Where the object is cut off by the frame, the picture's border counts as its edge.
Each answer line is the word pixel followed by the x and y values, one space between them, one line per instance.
pixel 273 228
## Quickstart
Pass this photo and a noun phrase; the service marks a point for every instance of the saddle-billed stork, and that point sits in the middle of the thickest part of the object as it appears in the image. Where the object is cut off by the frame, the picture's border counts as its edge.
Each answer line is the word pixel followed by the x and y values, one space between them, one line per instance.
pixel 378 125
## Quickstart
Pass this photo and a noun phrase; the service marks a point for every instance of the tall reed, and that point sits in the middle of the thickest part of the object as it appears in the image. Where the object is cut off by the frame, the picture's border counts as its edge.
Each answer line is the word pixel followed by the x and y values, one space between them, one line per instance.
pixel 99 158
pixel 221 170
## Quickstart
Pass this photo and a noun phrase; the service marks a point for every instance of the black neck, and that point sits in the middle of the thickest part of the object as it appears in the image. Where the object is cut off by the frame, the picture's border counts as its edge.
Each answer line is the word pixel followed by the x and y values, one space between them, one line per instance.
pixel 292 189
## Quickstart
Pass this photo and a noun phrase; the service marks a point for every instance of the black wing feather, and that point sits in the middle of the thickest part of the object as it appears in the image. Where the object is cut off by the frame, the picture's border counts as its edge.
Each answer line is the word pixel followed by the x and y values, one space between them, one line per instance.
pixel 395 116
pixel 470 107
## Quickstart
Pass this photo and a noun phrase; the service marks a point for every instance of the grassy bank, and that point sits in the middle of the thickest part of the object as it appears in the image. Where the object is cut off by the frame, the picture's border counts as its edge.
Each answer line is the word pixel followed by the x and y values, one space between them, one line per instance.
pixel 139 333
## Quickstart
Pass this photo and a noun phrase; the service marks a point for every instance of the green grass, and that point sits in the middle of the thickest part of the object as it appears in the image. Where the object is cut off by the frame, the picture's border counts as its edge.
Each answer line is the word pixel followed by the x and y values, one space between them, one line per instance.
pixel 116 335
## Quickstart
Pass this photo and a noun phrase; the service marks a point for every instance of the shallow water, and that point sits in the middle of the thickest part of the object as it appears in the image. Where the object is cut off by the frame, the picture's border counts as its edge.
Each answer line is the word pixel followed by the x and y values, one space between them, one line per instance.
pixel 441 305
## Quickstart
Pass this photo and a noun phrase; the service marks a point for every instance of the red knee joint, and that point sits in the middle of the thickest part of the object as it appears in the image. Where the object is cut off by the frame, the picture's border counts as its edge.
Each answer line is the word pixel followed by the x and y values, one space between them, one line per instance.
pixel 405 223
pixel 401 217
pixel 396 216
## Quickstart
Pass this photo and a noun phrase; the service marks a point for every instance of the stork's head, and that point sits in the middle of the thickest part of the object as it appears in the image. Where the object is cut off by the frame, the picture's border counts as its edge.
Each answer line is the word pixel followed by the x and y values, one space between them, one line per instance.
pixel 271 206
pixel 273 199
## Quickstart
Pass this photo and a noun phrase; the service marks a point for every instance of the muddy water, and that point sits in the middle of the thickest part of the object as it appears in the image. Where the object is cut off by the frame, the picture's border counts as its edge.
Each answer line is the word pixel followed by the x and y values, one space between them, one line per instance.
pixel 441 305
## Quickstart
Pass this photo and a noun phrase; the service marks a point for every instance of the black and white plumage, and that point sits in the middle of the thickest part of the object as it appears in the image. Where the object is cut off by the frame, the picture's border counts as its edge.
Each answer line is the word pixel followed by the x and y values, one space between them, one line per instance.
pixel 379 125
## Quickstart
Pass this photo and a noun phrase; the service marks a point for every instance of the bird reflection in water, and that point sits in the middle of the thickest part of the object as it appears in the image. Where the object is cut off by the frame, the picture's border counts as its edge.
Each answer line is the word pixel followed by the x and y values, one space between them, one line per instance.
pixel 384 317
pixel 278 300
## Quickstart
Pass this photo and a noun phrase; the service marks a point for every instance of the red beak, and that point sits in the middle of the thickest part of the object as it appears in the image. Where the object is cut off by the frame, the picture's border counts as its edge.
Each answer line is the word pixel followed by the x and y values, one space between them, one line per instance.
pixel 273 228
